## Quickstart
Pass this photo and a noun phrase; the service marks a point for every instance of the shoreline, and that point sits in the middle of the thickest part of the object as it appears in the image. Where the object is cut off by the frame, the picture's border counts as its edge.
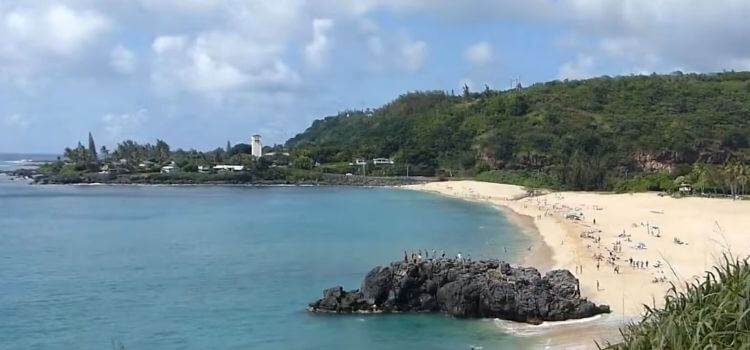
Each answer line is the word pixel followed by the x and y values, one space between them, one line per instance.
pixel 540 254
pixel 598 234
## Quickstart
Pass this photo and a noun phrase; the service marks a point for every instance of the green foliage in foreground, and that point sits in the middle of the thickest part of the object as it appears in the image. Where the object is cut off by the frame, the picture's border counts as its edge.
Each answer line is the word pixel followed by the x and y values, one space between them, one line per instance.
pixel 710 314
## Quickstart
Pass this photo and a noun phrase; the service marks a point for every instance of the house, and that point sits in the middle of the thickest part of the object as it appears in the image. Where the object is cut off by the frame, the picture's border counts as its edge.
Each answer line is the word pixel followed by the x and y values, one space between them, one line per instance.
pixel 230 168
pixel 360 162
pixel 204 169
pixel 104 169
pixel 167 169
pixel 378 161
pixel 171 168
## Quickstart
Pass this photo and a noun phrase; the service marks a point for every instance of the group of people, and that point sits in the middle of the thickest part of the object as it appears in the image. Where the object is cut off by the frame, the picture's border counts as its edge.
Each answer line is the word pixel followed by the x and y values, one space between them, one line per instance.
pixel 638 264
pixel 421 255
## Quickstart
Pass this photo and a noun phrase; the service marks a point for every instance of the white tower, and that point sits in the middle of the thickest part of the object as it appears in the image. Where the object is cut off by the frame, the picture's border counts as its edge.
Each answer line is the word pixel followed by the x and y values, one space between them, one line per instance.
pixel 257 146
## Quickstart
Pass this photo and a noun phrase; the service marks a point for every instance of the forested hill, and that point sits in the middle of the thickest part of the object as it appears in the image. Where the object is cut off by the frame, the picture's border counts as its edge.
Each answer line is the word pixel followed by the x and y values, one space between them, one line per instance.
pixel 585 134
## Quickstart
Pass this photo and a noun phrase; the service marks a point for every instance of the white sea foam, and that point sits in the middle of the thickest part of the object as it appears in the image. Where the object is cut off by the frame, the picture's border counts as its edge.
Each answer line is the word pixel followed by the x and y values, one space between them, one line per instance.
pixel 525 329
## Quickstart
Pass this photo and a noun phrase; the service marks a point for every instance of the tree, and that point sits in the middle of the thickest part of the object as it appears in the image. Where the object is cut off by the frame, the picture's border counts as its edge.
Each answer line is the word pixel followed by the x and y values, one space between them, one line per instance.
pixel 92 157
pixel 78 155
pixel 104 152
pixel 303 162
pixel 700 176
pixel 466 92
pixel 162 153
pixel 229 147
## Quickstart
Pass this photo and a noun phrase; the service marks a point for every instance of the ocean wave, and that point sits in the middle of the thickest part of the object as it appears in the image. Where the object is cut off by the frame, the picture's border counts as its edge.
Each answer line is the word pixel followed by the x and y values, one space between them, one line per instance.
pixel 525 329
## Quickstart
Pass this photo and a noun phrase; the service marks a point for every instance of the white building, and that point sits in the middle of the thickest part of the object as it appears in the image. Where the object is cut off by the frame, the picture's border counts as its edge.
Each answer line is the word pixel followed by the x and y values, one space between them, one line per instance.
pixel 257 147
pixel 221 167
pixel 171 168
pixel 168 169
pixel 377 161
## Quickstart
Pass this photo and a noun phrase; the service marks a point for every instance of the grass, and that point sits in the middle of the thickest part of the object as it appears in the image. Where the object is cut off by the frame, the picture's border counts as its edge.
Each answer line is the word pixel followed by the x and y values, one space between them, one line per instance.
pixel 712 313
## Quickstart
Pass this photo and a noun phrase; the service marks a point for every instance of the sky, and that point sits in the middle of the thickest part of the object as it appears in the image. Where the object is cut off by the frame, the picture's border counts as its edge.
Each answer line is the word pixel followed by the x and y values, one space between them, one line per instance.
pixel 197 73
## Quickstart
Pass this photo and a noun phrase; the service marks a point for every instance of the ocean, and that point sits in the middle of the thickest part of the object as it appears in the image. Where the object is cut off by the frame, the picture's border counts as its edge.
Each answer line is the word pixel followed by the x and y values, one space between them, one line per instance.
pixel 11 161
pixel 223 267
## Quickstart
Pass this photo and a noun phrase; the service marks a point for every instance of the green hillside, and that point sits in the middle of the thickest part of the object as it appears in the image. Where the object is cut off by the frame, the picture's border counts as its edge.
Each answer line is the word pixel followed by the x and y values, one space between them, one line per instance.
pixel 598 133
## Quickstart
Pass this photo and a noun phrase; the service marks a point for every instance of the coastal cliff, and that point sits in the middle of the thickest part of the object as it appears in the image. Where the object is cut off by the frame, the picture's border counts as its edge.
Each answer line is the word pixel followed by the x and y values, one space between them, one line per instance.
pixel 466 289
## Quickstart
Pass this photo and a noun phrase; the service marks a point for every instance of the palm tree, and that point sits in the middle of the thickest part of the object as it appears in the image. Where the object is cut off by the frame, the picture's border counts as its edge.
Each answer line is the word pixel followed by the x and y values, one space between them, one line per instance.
pixel 732 173
pixel 700 176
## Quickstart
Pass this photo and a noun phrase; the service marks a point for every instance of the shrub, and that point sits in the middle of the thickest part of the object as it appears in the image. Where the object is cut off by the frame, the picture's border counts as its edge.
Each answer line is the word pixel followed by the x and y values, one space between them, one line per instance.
pixel 521 178
pixel 710 314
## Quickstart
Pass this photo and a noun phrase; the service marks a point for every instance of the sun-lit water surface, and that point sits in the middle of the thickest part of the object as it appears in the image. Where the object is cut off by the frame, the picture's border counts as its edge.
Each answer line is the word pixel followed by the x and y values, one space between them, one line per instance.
pixel 225 267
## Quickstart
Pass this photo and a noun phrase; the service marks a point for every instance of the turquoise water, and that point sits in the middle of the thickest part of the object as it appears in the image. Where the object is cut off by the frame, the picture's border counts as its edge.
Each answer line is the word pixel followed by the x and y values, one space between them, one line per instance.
pixel 224 267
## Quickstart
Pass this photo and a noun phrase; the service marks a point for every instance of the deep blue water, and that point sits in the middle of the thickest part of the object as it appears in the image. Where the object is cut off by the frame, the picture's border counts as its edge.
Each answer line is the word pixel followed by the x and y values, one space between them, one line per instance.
pixel 224 267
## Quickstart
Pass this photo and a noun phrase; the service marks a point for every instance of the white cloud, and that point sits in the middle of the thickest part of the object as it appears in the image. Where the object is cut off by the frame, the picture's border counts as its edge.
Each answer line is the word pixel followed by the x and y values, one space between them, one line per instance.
pixel 216 63
pixel 479 54
pixel 36 40
pixel 578 69
pixel 414 55
pixel 58 30
pixel 122 60
pixel 316 51
pixel 16 120
pixel 120 126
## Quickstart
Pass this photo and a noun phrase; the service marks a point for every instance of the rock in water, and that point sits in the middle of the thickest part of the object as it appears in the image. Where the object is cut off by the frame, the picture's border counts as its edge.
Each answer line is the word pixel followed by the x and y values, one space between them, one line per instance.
pixel 492 289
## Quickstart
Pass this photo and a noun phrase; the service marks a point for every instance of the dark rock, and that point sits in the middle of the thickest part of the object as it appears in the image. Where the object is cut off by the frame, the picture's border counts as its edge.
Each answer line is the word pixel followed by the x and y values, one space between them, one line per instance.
pixel 377 284
pixel 465 289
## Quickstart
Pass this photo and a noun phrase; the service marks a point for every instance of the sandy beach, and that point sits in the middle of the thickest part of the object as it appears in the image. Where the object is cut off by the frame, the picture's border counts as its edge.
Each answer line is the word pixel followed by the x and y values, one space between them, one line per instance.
pixel 624 248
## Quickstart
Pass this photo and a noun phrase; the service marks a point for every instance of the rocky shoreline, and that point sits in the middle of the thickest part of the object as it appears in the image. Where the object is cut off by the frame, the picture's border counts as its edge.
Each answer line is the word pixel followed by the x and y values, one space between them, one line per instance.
pixel 464 289
pixel 238 179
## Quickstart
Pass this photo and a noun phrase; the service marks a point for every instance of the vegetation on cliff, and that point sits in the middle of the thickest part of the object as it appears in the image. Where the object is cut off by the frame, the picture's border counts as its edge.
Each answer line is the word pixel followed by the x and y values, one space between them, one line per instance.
pixel 602 133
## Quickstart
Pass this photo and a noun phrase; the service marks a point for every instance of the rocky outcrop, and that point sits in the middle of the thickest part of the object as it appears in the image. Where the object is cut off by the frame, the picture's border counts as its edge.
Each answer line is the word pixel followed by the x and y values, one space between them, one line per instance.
pixel 487 289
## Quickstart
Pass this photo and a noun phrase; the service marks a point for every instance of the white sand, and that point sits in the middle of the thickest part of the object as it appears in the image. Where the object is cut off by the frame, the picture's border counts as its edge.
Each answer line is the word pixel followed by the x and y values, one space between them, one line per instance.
pixel 707 226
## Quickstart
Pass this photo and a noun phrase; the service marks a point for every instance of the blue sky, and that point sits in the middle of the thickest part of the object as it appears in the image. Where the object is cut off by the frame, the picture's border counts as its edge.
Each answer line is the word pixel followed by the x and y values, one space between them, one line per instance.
pixel 197 73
